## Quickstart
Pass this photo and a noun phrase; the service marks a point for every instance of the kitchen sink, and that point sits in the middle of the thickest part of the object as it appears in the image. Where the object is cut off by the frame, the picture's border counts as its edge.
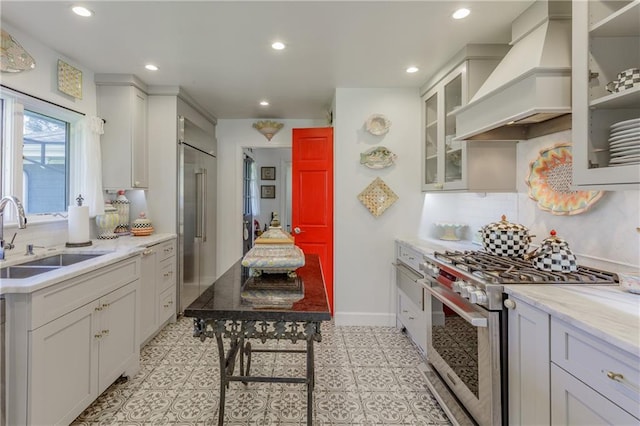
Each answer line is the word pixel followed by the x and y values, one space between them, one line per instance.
pixel 62 259
pixel 18 271
pixel 45 264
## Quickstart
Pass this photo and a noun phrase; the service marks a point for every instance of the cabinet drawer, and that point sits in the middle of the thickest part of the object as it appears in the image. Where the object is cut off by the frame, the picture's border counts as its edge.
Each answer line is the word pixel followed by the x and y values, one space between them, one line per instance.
pixel 408 282
pixel 413 319
pixel 167 305
pixel 167 274
pixel 166 250
pixel 574 403
pixel 55 301
pixel 409 256
pixel 613 373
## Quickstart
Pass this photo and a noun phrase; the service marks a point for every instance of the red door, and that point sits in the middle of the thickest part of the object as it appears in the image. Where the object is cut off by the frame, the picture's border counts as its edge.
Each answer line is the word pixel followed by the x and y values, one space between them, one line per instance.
pixel 312 197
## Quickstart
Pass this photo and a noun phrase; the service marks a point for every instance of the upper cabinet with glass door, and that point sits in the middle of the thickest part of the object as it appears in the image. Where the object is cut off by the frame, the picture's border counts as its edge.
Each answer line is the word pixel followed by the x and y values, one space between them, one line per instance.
pixel 606 110
pixel 448 164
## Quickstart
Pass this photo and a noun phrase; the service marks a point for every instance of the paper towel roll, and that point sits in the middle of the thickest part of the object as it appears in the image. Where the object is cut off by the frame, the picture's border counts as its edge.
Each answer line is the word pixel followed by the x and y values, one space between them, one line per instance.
pixel 78 223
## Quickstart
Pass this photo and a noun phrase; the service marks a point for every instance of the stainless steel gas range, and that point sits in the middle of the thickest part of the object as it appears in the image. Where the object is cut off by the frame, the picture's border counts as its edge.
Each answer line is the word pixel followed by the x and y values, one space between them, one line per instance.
pixel 467 339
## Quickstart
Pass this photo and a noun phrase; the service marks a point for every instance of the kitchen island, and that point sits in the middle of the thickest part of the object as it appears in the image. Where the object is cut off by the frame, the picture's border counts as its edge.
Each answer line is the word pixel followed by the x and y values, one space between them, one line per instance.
pixel 220 312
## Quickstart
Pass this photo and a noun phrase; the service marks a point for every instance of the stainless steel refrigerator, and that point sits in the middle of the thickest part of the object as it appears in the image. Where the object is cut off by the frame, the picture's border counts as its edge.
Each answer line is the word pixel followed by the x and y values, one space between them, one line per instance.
pixel 196 211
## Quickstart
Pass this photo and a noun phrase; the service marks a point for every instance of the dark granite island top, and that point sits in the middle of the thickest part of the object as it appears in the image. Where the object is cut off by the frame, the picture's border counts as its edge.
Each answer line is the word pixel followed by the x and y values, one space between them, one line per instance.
pixel 222 299
pixel 219 313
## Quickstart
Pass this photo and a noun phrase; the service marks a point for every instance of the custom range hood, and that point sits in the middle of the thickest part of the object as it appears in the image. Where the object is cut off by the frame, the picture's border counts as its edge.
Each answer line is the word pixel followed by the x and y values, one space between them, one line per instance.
pixel 529 92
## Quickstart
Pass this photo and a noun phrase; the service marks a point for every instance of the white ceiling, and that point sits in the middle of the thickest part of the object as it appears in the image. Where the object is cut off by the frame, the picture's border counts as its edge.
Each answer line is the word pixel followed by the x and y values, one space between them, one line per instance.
pixel 219 51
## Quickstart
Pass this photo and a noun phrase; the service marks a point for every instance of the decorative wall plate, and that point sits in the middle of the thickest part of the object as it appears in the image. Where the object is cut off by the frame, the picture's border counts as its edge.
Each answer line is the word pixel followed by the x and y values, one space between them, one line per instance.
pixel 377 197
pixel 69 80
pixel 378 124
pixel 13 57
pixel 378 157
pixel 550 180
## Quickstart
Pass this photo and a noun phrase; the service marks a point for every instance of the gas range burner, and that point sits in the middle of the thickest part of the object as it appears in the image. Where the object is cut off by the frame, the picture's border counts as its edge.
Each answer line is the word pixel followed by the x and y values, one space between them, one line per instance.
pixel 495 269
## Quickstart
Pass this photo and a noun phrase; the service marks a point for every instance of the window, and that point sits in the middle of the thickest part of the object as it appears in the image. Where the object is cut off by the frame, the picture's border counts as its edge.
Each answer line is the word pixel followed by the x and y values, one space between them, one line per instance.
pixel 44 164
pixel 36 148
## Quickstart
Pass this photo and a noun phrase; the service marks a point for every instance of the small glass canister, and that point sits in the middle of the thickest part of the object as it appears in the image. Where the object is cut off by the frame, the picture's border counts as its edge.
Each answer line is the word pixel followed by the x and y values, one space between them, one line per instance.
pixel 107 222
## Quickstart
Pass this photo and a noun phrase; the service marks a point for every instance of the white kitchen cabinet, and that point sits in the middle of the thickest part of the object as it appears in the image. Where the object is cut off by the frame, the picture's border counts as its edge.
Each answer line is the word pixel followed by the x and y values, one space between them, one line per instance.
pixel 561 375
pixel 158 288
pixel 460 165
pixel 125 147
pixel 606 41
pixel 77 356
pixel 528 355
pixel 69 341
pixel 411 313
pixel 600 377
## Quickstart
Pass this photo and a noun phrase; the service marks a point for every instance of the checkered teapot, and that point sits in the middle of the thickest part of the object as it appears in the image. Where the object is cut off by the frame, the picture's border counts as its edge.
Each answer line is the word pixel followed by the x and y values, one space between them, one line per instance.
pixel 505 238
pixel 553 255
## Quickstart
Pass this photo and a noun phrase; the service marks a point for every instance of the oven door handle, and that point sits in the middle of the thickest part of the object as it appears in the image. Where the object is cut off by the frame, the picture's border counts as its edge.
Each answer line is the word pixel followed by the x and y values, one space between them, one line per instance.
pixel 471 316
pixel 410 273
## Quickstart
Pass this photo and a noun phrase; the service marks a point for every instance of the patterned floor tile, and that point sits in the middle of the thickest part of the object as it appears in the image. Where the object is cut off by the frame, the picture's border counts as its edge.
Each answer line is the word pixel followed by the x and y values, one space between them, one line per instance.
pixel 166 338
pixel 425 407
pixel 203 377
pixel 410 379
pixel 180 355
pixel 192 406
pixel 335 379
pixel 168 377
pixel 245 405
pixel 106 406
pixel 146 405
pixel 399 357
pixel 386 408
pixel 366 357
pixel 359 340
pixel 343 408
pixel 375 379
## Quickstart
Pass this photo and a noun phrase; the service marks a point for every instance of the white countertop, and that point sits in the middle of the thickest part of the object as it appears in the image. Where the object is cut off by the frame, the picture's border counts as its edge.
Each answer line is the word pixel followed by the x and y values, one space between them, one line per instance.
pixel 607 312
pixel 114 251
pixel 427 246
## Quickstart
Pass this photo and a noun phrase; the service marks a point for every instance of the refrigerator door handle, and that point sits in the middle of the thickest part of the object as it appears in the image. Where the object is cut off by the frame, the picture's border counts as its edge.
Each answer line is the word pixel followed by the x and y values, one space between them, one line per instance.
pixel 201 204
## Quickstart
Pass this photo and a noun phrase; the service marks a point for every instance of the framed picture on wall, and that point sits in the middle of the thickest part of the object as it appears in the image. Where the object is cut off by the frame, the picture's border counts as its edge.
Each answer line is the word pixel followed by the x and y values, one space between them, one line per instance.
pixel 267 191
pixel 267 173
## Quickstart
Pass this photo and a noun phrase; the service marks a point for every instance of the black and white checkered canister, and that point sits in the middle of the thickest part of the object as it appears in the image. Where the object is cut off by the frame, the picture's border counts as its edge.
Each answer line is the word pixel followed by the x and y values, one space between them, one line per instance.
pixel 554 255
pixel 506 239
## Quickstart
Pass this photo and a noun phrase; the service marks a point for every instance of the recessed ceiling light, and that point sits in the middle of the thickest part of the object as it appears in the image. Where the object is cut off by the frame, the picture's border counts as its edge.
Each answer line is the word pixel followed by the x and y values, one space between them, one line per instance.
pixel 264 103
pixel 411 70
pixel 461 13
pixel 151 67
pixel 278 45
pixel 81 11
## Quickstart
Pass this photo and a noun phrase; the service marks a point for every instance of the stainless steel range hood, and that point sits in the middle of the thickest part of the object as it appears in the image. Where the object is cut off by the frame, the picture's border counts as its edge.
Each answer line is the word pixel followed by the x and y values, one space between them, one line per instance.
pixel 529 92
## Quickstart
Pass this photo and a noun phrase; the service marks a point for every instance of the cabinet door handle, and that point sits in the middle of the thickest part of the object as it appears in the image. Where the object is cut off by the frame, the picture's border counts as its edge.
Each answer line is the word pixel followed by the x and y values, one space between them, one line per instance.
pixel 105 332
pixel 106 305
pixel 98 308
pixel 411 318
pixel 98 336
pixel 618 377
pixel 147 252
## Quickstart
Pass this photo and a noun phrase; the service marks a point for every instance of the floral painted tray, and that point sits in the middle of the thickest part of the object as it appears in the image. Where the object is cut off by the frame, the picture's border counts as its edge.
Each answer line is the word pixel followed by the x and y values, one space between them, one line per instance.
pixel 550 179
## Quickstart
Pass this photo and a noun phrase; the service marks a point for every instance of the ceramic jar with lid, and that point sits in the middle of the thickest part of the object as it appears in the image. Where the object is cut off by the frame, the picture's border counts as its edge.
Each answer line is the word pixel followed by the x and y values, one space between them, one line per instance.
pixel 107 222
pixel 505 238
pixel 121 203
pixel 554 255
pixel 141 227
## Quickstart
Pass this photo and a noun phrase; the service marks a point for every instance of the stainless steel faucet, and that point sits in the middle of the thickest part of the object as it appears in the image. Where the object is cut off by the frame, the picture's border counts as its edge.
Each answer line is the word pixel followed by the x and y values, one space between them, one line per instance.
pixel 22 220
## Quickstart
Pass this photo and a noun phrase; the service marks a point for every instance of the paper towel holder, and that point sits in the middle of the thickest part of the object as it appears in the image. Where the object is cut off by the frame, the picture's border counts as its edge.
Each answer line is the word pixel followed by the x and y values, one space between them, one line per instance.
pixel 79 201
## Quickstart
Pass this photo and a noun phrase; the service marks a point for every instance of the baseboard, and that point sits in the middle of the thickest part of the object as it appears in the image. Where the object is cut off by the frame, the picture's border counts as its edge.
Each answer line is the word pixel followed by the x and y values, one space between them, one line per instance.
pixel 365 319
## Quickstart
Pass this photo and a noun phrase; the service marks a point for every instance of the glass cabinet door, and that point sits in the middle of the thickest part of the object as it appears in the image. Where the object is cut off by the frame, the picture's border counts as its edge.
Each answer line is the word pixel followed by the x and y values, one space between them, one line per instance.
pixel 431 140
pixel 453 149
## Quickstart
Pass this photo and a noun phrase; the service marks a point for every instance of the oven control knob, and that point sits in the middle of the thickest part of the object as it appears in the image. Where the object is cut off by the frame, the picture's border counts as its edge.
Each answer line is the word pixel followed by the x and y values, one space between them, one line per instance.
pixel 464 290
pixel 478 297
pixel 509 304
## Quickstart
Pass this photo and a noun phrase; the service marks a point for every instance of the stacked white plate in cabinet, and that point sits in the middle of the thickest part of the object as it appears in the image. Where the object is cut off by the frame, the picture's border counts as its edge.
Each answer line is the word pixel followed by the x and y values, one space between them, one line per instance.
pixel 624 143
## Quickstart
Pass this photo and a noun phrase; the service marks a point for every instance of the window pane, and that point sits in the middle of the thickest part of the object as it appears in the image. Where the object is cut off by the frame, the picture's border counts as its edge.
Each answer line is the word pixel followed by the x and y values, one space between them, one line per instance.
pixel 44 163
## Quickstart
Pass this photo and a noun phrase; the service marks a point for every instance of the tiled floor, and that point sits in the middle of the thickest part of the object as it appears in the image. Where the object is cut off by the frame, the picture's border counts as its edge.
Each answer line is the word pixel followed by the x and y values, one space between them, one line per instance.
pixel 364 376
